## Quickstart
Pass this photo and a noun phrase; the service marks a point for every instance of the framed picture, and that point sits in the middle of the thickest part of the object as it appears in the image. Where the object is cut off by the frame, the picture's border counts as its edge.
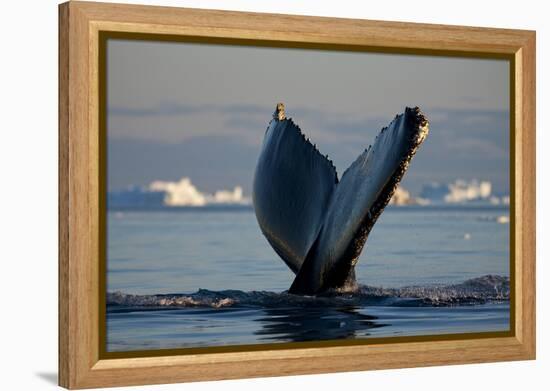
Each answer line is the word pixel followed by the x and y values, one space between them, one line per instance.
pixel 247 195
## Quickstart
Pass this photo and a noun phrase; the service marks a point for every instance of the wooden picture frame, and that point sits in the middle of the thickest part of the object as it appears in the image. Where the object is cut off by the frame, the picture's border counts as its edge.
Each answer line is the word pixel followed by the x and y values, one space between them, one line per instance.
pixel 82 363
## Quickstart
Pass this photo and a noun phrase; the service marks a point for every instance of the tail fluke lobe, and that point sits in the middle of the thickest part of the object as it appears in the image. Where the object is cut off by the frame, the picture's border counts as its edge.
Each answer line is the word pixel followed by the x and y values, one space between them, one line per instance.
pixel 292 187
pixel 361 195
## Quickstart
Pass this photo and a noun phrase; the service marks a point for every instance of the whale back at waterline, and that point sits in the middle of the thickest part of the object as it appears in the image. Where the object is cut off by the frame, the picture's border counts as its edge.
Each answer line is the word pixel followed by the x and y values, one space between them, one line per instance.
pixel 317 224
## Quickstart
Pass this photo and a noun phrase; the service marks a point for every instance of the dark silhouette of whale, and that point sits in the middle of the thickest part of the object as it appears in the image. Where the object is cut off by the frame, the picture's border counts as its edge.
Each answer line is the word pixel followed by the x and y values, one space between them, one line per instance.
pixel 316 223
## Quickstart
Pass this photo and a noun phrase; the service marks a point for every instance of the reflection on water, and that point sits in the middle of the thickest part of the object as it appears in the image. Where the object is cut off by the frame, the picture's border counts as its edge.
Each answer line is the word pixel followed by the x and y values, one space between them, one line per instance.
pixel 146 328
pixel 313 324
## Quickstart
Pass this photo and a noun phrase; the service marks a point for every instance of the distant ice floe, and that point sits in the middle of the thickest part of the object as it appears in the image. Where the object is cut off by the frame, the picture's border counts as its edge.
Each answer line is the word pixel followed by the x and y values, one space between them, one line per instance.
pixel 457 192
pixel 502 219
pixel 184 193
pixel 504 200
pixel 403 197
pixel 462 191
pixel 181 193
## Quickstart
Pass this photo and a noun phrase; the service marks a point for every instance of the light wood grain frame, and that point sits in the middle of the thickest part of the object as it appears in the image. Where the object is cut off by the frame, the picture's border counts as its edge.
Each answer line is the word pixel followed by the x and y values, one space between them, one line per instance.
pixel 81 364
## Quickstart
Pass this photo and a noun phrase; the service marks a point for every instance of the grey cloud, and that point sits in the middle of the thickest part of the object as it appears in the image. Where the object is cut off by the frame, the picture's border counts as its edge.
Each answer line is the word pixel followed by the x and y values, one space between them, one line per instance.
pixel 177 109
pixel 202 110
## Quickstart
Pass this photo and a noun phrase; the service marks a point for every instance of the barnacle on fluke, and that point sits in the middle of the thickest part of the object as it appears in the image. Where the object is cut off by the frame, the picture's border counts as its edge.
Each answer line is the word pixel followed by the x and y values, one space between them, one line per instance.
pixel 316 223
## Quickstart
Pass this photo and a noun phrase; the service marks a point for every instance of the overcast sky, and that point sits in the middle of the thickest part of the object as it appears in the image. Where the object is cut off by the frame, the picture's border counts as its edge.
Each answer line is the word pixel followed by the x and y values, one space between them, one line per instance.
pixel 200 111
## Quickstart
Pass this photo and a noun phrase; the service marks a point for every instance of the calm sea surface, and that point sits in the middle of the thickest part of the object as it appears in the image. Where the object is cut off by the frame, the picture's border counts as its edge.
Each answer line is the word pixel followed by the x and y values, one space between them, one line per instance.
pixel 186 250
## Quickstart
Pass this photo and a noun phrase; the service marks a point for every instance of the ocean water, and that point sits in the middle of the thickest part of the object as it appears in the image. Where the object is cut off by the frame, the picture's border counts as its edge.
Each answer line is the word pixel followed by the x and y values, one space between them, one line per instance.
pixel 194 277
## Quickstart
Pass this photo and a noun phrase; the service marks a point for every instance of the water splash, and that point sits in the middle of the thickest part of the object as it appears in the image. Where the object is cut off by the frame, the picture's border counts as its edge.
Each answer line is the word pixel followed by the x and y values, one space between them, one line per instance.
pixel 474 291
pixel 489 288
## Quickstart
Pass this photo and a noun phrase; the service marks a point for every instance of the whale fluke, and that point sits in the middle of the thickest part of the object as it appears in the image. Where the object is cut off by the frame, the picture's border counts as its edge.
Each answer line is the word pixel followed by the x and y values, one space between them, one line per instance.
pixel 317 224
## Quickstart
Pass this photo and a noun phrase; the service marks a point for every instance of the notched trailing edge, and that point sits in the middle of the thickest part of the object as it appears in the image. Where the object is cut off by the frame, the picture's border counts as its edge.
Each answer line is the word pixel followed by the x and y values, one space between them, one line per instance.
pixel 315 149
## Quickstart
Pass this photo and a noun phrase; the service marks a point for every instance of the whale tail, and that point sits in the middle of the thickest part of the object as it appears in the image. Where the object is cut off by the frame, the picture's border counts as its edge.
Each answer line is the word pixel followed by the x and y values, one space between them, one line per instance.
pixel 316 223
